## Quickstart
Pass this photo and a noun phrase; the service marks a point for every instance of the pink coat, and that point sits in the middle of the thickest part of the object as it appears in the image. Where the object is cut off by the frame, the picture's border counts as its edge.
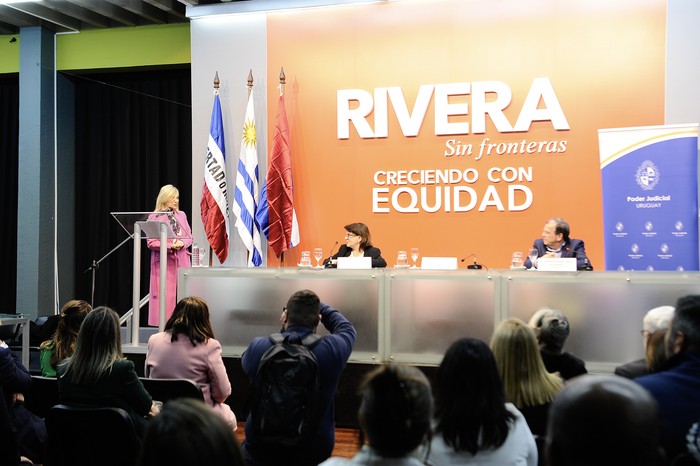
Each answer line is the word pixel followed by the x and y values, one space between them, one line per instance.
pixel 202 363
pixel 176 259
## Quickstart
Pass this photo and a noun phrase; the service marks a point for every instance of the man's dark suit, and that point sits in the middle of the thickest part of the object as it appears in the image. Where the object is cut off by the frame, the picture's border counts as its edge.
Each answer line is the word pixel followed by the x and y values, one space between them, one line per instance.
pixel 570 248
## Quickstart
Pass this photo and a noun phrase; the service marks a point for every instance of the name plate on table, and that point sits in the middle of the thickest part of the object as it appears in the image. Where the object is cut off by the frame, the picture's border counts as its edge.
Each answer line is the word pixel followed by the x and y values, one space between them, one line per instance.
pixel 438 263
pixel 354 263
pixel 556 264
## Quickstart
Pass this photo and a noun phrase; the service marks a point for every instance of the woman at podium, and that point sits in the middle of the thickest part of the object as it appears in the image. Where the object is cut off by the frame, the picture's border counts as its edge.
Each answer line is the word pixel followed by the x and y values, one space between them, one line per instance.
pixel 168 210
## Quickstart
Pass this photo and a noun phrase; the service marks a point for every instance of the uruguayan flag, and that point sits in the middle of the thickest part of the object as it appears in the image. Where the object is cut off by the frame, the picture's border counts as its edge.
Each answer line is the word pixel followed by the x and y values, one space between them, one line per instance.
pixel 246 195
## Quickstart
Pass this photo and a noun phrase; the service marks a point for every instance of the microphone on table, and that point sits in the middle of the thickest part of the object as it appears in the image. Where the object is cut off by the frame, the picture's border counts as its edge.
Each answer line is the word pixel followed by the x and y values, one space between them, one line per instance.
pixel 330 256
pixel 473 266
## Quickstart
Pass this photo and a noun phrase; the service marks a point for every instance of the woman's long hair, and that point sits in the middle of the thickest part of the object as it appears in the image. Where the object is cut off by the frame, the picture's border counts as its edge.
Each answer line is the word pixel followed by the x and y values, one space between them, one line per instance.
pixel 525 379
pixel 98 347
pixel 470 411
pixel 191 319
pixel 63 341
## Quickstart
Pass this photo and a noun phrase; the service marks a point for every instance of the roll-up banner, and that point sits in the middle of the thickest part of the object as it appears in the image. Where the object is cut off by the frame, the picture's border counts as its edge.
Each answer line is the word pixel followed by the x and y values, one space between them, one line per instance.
pixel 650 197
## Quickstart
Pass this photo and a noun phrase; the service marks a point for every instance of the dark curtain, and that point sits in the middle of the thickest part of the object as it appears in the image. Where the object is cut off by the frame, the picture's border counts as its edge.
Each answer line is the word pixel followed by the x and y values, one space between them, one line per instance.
pixel 9 150
pixel 133 135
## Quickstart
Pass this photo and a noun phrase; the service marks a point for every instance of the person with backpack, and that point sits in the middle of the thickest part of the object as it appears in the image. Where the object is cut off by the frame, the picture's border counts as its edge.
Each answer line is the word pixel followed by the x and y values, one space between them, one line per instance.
pixel 294 376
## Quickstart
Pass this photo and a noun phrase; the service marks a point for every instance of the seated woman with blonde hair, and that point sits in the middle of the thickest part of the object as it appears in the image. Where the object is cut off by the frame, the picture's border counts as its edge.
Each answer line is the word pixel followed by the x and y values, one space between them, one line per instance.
pixel 186 349
pixel 62 344
pixel 527 383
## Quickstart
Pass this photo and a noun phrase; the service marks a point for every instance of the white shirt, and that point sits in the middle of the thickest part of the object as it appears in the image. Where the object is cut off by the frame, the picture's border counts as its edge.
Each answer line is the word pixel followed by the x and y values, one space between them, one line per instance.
pixel 368 457
pixel 518 449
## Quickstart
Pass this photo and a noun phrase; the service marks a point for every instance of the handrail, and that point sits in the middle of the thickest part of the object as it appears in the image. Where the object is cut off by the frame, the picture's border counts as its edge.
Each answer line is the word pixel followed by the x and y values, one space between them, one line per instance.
pixel 130 313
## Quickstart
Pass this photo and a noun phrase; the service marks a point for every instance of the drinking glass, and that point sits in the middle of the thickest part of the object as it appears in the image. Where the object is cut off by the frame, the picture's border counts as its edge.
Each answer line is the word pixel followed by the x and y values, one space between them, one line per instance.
pixel 318 254
pixel 202 254
pixel 402 259
pixel 516 261
pixel 305 259
pixel 415 253
pixel 533 256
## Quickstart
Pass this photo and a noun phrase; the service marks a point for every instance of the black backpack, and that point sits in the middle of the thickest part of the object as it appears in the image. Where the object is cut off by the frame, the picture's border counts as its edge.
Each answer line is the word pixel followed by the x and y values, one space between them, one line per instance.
pixel 286 392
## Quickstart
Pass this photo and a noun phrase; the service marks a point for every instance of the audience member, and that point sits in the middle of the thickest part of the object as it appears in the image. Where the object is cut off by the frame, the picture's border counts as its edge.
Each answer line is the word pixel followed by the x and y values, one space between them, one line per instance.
pixel 395 415
pixel 300 318
pixel 655 353
pixel 677 388
pixel 29 432
pixel 555 242
pixel 187 350
pixel 655 319
pixel 473 423
pixel 189 433
pixel 97 374
pixel 603 420
pixel 527 383
pixel 62 343
pixel 552 329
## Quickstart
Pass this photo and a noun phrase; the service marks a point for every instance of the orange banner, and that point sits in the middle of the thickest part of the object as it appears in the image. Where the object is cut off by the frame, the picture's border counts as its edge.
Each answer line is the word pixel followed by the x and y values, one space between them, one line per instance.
pixel 459 127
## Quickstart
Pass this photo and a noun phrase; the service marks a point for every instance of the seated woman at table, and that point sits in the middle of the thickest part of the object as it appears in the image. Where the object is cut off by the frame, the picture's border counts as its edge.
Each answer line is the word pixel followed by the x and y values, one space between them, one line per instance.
pixel 358 243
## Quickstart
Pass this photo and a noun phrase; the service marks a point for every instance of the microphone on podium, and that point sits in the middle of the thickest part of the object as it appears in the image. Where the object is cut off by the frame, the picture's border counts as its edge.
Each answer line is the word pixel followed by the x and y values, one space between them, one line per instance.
pixel 473 266
pixel 328 264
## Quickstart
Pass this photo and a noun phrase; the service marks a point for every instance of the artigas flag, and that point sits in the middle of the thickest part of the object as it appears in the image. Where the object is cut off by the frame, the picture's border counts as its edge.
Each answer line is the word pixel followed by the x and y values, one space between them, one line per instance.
pixel 283 226
pixel 246 195
pixel 214 203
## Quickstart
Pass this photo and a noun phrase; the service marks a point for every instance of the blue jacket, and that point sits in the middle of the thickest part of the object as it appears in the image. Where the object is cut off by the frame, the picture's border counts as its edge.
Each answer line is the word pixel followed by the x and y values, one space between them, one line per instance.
pixel 332 353
pixel 571 248
pixel 677 392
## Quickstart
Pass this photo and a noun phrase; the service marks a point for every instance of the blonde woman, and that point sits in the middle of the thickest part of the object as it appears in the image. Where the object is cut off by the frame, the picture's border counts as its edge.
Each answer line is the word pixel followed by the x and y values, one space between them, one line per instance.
pixel 527 383
pixel 62 344
pixel 168 210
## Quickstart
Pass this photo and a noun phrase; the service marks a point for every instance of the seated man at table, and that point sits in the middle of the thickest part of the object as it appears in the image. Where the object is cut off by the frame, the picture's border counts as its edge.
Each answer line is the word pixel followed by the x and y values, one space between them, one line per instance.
pixel 555 242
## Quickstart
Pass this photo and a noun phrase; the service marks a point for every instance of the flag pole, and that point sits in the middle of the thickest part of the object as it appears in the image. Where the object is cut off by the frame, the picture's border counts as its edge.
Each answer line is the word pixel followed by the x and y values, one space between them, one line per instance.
pixel 250 91
pixel 216 92
pixel 283 80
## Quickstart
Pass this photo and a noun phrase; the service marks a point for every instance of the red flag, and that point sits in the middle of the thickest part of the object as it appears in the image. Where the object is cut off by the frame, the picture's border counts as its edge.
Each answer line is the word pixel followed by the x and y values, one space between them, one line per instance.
pixel 284 230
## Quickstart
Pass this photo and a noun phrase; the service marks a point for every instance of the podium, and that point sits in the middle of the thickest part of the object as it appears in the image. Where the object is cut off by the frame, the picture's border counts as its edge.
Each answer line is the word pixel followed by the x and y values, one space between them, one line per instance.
pixel 149 225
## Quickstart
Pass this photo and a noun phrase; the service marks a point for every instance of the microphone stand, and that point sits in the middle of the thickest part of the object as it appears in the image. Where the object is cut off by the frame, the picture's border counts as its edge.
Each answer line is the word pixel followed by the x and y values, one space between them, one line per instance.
pixel 96 265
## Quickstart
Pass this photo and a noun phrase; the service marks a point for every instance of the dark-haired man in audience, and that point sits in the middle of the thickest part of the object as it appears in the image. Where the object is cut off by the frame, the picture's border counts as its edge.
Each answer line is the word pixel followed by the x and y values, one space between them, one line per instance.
pixel 676 387
pixel 301 316
pixel 603 420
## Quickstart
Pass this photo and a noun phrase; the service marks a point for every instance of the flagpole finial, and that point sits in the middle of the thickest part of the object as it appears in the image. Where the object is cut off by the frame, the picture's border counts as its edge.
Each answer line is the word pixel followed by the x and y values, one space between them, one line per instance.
pixel 250 81
pixel 216 83
pixel 283 80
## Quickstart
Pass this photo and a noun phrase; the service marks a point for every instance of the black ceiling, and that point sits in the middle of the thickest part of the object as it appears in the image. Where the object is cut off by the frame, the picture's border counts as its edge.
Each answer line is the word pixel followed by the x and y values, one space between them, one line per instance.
pixel 77 15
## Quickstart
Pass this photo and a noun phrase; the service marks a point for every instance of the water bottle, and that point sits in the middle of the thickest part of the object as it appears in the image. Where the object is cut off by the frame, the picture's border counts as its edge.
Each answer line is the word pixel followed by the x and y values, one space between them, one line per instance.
pixel 195 255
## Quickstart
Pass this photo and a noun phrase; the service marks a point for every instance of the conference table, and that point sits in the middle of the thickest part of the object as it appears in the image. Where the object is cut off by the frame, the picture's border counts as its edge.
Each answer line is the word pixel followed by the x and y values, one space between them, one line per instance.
pixel 412 316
